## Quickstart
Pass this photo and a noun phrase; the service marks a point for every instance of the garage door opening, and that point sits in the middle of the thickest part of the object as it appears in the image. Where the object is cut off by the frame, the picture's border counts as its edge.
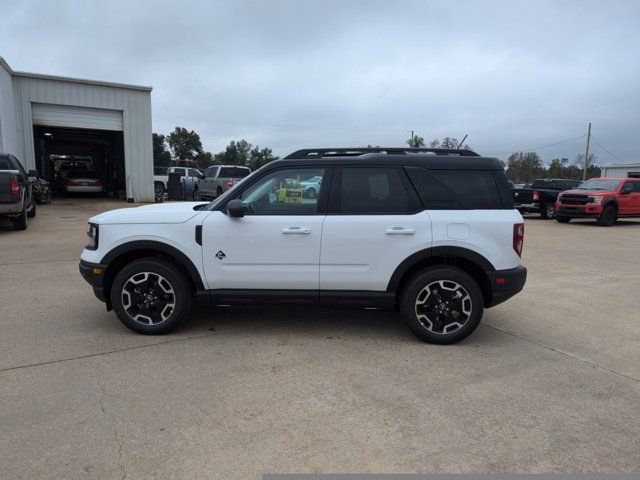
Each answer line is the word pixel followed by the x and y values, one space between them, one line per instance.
pixel 78 160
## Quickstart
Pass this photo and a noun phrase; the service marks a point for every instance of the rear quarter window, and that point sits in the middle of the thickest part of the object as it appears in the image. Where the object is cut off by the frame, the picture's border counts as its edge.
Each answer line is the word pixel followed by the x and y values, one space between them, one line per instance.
pixel 458 189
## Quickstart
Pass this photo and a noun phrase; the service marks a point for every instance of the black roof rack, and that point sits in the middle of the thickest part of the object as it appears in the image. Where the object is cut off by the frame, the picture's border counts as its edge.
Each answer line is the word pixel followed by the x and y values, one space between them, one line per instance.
pixel 354 152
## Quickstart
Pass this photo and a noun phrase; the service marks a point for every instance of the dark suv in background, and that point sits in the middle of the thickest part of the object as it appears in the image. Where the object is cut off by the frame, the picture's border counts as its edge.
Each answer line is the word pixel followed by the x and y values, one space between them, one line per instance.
pixel 541 196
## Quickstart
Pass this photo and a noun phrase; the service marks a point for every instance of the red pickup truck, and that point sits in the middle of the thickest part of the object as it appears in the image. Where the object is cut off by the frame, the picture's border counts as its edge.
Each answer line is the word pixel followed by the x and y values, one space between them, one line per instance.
pixel 603 199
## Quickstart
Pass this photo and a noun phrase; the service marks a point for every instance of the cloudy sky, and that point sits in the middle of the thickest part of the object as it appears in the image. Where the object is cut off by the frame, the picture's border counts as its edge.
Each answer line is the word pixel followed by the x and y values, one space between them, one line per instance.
pixel 293 74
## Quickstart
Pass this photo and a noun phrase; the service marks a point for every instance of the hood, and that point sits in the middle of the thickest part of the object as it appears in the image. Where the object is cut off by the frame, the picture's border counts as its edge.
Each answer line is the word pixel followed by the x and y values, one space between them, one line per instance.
pixel 589 192
pixel 157 213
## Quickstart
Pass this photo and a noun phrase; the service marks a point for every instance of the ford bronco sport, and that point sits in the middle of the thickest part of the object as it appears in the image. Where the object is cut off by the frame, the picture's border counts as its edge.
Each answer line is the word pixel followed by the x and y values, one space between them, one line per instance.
pixel 432 233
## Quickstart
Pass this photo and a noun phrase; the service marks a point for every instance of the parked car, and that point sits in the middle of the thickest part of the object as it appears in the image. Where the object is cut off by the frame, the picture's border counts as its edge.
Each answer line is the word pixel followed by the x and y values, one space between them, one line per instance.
pixel 311 187
pixel 217 179
pixel 189 176
pixel 16 191
pixel 82 181
pixel 603 199
pixel 541 196
pixel 433 236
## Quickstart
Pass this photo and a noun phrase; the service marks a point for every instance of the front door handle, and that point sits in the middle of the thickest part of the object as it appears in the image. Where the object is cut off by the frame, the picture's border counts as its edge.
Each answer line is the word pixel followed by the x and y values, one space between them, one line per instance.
pixel 399 231
pixel 298 230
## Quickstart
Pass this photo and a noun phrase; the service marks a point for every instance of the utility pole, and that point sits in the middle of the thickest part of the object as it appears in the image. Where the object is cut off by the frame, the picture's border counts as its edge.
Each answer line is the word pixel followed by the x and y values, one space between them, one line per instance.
pixel 411 138
pixel 586 155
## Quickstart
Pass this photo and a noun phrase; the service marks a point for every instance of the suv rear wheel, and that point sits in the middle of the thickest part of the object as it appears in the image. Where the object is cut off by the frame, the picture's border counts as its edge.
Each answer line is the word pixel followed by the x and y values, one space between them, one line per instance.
pixel 151 296
pixel 442 305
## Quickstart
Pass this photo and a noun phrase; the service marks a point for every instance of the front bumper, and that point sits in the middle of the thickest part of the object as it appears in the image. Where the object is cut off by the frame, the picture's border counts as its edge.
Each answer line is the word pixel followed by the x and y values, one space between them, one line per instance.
pixel 579 211
pixel 505 284
pixel 93 273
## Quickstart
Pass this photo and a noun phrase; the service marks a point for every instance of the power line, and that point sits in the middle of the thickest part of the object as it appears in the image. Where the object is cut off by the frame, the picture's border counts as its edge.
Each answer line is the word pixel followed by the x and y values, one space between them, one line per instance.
pixel 598 143
pixel 538 148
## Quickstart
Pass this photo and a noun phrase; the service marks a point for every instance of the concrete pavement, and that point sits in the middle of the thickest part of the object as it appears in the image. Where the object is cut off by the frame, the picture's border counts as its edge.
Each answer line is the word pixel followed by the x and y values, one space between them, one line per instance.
pixel 550 381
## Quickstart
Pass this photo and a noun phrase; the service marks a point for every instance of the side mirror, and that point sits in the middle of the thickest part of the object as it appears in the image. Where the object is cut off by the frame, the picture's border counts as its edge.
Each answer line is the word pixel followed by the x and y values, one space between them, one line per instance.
pixel 320 182
pixel 235 208
pixel 32 173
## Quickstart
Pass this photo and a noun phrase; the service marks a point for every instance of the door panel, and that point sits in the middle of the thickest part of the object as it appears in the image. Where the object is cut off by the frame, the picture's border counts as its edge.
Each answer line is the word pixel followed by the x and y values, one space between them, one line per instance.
pixel 360 252
pixel 262 252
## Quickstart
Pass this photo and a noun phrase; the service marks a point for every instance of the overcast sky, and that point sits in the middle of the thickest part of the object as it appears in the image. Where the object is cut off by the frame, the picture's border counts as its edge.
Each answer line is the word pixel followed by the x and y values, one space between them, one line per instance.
pixel 295 74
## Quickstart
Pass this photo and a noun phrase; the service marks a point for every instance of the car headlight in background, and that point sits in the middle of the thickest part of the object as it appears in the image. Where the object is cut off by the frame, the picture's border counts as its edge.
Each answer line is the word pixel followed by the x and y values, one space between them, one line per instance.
pixel 92 233
pixel 597 199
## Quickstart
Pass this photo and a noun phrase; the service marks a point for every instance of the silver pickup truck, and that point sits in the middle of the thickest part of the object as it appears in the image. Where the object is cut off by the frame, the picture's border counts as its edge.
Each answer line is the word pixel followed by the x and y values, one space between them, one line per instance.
pixel 218 179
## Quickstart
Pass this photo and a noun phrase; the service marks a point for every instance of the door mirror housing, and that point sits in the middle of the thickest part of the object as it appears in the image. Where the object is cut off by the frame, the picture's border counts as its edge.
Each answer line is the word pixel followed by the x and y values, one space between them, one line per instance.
pixel 235 208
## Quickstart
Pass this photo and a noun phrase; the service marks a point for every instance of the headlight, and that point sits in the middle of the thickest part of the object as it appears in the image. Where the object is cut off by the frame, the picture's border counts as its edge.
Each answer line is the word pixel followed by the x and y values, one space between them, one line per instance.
pixel 597 200
pixel 93 237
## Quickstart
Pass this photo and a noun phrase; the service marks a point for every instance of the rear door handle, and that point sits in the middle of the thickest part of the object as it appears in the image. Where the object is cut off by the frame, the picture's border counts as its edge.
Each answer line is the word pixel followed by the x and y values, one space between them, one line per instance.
pixel 399 231
pixel 298 230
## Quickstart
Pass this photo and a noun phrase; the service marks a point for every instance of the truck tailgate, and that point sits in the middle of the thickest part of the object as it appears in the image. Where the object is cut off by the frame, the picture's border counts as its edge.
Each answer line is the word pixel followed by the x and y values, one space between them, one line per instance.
pixel 5 186
pixel 522 195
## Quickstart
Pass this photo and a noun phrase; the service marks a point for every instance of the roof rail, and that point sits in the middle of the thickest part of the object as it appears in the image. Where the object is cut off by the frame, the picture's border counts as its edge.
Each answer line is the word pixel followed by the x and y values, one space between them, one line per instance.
pixel 354 152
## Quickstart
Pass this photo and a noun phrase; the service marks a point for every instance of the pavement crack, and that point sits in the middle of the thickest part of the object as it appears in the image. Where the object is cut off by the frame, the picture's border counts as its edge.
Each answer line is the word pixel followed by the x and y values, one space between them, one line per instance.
pixel 566 354
pixel 136 347
pixel 112 422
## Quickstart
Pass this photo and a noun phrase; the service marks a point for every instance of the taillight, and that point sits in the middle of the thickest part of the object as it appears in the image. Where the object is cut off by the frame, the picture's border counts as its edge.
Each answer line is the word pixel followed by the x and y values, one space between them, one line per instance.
pixel 14 187
pixel 229 184
pixel 518 238
pixel 536 195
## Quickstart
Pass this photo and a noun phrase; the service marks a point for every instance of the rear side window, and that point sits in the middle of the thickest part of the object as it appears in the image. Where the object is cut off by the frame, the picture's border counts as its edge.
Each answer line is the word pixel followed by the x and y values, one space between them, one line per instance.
pixel 456 189
pixel 375 191
pixel 4 164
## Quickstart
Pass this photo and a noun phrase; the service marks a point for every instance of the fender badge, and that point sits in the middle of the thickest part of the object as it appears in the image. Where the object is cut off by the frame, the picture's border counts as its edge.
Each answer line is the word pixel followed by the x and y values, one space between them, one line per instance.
pixel 220 255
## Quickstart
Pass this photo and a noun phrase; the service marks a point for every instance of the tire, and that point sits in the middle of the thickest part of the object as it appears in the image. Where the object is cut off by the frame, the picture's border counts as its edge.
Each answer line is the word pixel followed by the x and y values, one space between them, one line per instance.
pixel 561 219
pixel 20 222
pixel 608 216
pixel 158 192
pixel 151 273
pixel 448 284
pixel 311 193
pixel 32 210
pixel 547 211
pixel 219 191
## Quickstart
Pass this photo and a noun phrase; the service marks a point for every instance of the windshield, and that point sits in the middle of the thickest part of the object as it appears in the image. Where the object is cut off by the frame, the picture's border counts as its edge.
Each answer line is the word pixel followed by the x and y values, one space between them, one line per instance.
pixel 599 184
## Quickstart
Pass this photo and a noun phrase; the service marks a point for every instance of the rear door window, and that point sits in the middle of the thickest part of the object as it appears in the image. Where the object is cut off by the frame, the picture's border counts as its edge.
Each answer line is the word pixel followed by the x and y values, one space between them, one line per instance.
pixel 375 191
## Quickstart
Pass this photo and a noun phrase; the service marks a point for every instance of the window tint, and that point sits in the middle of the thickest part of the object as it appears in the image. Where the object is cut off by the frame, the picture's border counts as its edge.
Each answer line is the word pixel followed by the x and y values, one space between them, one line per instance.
pixel 283 192
pixel 4 164
pixel 374 191
pixel 178 171
pixel 226 172
pixel 455 189
pixel 240 172
pixel 636 187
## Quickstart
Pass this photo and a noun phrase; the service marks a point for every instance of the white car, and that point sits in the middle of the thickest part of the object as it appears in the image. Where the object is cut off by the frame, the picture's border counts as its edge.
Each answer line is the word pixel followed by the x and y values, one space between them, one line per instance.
pixel 311 186
pixel 432 234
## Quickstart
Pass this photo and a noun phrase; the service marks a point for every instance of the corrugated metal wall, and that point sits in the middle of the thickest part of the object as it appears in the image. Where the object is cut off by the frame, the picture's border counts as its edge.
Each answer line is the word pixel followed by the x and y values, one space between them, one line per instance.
pixel 135 105
pixel 620 172
pixel 10 142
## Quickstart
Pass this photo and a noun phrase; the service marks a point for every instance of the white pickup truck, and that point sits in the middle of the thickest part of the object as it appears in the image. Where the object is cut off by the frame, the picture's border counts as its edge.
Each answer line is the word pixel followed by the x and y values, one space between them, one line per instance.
pixel 189 176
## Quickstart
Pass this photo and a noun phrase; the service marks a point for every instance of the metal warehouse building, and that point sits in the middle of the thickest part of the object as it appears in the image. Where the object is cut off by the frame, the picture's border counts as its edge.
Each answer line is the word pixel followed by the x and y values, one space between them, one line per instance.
pixel 47 120
pixel 621 170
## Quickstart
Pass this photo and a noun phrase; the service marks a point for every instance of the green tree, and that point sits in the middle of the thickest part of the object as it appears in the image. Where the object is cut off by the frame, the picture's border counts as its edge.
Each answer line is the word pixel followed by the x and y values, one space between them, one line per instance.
pixel 161 156
pixel 525 167
pixel 184 144
pixel 204 159
pixel 260 156
pixel 416 141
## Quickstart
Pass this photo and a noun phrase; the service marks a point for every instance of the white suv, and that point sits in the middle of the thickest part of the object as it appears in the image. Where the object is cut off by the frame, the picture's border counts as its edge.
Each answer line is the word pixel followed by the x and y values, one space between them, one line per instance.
pixel 431 233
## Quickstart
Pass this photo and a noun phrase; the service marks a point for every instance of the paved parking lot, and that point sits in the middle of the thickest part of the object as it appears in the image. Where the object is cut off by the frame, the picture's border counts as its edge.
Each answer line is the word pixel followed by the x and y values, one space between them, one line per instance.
pixel 550 382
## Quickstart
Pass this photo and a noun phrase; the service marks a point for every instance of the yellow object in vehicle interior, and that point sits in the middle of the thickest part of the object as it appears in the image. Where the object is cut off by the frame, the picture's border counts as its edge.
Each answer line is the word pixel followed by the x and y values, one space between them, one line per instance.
pixel 289 191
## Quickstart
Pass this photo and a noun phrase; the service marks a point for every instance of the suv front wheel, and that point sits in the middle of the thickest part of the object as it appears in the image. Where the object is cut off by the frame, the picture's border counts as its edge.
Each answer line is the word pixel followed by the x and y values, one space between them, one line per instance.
pixel 151 296
pixel 442 305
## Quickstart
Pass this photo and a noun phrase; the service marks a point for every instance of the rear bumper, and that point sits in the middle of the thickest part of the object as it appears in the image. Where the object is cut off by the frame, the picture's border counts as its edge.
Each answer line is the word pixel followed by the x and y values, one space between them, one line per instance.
pixel 11 208
pixel 93 273
pixel 83 189
pixel 505 284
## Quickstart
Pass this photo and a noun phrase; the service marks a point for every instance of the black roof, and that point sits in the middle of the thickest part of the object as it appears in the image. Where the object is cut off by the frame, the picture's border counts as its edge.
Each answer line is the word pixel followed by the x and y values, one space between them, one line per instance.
pixel 434 158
